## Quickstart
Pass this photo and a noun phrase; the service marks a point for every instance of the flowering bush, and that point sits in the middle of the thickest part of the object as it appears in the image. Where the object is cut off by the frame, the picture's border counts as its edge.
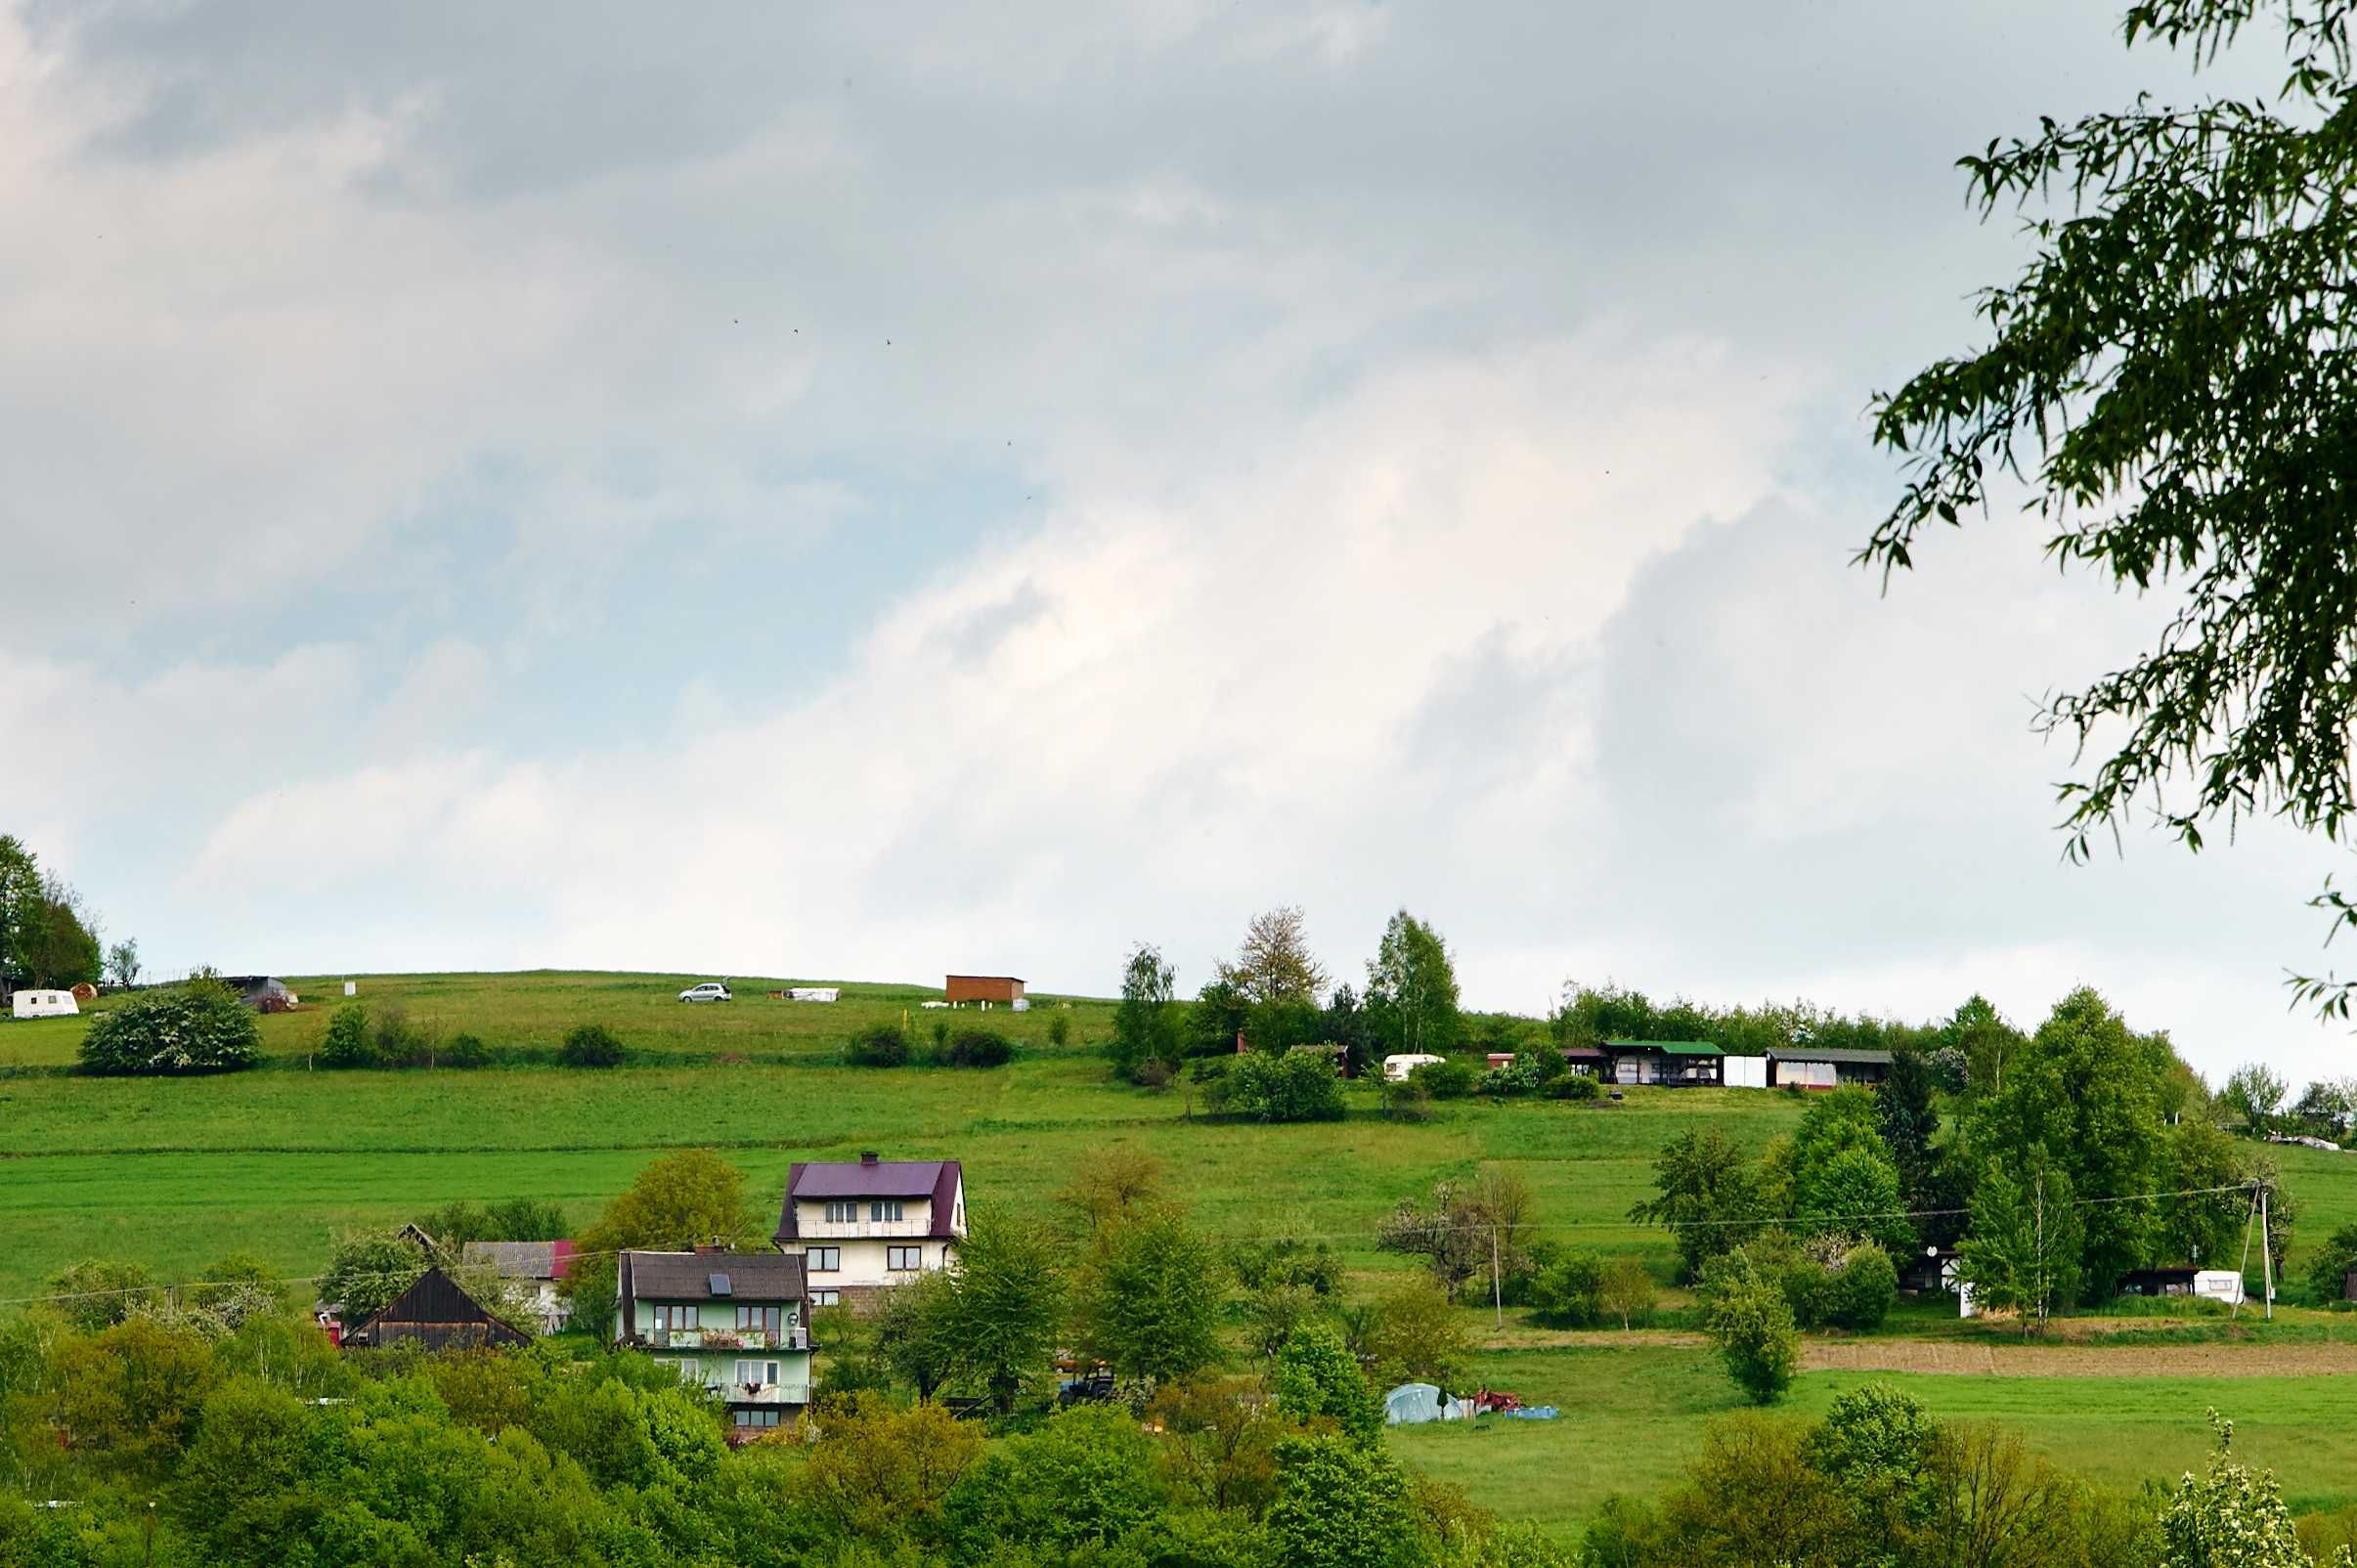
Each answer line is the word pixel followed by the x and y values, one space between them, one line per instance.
pixel 197 1028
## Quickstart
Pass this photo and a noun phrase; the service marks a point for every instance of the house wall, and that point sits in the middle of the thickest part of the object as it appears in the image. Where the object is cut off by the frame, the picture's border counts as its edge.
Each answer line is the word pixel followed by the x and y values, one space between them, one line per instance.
pixel 714 1316
pixel 718 1370
pixel 863 1263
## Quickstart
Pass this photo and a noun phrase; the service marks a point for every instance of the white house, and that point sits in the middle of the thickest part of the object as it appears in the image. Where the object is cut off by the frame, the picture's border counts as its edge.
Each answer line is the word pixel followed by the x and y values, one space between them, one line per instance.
pixel 859 1226
pixel 533 1270
pixel 44 1004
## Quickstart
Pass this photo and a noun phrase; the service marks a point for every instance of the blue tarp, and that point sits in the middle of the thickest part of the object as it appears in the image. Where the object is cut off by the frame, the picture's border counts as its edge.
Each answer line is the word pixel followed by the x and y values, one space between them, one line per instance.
pixel 1539 1412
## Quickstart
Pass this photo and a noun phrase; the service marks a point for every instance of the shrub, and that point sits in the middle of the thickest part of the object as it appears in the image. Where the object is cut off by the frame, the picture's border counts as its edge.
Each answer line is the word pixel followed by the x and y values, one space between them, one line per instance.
pixel 187 1028
pixel 1575 1086
pixel 98 1294
pixel 1859 1294
pixel 1571 1290
pixel 1446 1080
pixel 1060 1029
pixel 1406 1098
pixel 1152 1075
pixel 465 1051
pixel 882 1045
pixel 1518 1078
pixel 1747 1317
pixel 348 1043
pixel 1299 1086
pixel 1286 1260
pixel 978 1048
pixel 1629 1293
pixel 591 1045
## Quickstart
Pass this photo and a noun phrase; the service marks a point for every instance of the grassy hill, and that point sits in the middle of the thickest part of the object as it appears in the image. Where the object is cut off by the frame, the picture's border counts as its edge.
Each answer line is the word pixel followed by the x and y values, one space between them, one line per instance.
pixel 174 1173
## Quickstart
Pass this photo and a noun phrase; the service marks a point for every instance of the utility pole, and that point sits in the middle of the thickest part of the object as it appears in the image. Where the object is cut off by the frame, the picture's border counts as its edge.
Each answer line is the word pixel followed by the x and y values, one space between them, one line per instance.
pixel 2266 1254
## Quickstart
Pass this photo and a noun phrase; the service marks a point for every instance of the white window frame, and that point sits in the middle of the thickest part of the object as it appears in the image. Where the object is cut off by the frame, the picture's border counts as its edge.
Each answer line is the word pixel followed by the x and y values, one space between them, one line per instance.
pixel 769 1368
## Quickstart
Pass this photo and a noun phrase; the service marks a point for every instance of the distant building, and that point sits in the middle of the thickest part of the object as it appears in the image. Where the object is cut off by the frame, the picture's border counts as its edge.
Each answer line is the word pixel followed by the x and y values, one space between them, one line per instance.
pixel 2217 1285
pixel 859 1226
pixel 1676 1064
pixel 437 1314
pixel 264 993
pixel 1825 1067
pixel 1396 1067
pixel 1003 989
pixel 536 1269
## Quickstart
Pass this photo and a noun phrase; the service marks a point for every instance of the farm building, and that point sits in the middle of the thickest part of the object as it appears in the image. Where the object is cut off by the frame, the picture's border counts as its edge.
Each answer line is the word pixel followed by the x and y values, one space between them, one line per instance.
pixel 264 993
pixel 859 1226
pixel 1003 989
pixel 1680 1063
pixel 2217 1285
pixel 1825 1067
pixel 535 1268
pixel 436 1314
pixel 43 1004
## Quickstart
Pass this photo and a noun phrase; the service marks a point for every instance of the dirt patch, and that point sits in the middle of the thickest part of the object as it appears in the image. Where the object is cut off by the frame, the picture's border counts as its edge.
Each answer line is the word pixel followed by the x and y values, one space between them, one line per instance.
pixel 2080 1361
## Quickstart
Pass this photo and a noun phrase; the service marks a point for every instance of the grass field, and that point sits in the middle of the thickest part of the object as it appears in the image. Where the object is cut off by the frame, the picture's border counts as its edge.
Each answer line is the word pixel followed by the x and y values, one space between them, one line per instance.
pixel 275 1162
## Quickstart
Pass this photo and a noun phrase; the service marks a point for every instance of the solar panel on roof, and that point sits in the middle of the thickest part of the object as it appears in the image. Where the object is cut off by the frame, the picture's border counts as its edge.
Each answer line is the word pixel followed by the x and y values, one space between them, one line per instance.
pixel 721 1286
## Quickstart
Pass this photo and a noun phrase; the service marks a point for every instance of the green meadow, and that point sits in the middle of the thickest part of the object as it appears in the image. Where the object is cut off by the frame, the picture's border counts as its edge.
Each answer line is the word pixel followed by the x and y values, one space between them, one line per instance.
pixel 174 1173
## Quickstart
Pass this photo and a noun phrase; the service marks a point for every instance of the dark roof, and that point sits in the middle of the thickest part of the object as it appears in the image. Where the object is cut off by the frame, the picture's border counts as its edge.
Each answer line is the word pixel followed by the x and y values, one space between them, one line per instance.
pixel 1833 1053
pixel 522 1260
pixel 815 1180
pixel 1585 1053
pixel 437 1311
pixel 1671 1047
pixel 692 1277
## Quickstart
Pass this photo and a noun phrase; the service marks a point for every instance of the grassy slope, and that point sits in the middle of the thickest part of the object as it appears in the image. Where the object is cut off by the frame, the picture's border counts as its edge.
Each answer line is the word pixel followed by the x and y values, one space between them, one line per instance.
pixel 275 1162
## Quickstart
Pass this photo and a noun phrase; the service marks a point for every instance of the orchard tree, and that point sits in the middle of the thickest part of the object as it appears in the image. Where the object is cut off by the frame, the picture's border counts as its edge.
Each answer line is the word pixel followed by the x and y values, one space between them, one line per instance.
pixel 1146 1025
pixel 1412 990
pixel 1275 964
pixel 2171 374
pixel 2255 1092
pixel 1707 1195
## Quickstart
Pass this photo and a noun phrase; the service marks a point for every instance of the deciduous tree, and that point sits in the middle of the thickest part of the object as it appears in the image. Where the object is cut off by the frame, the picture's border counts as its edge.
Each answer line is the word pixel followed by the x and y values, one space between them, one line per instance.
pixel 1273 965
pixel 1412 990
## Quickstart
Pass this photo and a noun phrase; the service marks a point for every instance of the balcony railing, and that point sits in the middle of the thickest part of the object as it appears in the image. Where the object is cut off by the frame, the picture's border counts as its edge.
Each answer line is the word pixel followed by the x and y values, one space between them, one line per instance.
pixel 730 1340
pixel 916 1225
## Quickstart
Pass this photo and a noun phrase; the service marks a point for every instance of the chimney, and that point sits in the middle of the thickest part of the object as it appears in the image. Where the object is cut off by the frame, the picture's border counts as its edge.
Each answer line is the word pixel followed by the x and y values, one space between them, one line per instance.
pixel 867 1157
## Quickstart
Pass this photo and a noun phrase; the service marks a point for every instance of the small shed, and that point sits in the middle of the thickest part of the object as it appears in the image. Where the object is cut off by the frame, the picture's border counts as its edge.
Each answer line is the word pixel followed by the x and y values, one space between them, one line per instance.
pixel 1004 989
pixel 1673 1064
pixel 1825 1067
pixel 437 1314
pixel 1501 1059
pixel 264 993
pixel 43 1004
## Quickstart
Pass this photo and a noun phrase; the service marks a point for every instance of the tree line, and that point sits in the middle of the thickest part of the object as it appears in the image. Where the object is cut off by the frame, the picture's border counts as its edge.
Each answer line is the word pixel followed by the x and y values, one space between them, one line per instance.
pixel 49 936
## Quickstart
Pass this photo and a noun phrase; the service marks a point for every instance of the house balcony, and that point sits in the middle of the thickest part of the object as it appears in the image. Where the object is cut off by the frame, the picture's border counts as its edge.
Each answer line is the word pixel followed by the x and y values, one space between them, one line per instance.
pixel 729 1339
pixel 796 1392
pixel 915 1227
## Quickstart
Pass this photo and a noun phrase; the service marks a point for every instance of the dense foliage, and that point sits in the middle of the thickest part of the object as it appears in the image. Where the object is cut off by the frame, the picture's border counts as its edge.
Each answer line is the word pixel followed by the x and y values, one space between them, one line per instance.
pixel 1297 1086
pixel 591 1045
pixel 197 1028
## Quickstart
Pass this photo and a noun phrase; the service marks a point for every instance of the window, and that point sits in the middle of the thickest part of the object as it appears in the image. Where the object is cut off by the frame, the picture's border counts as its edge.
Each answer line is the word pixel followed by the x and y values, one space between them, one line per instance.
pixel 826 1298
pixel 891 1210
pixel 844 1213
pixel 753 1372
pixel 903 1258
pixel 754 1418
pixel 756 1319
pixel 826 1259
pixel 669 1320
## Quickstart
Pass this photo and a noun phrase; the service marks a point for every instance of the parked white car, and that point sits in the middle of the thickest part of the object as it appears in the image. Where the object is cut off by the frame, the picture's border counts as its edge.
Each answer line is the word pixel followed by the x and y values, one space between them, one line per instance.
pixel 709 992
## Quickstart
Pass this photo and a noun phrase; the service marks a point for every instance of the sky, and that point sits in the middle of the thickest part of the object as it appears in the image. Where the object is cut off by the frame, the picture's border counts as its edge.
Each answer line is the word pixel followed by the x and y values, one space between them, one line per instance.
pixel 839 491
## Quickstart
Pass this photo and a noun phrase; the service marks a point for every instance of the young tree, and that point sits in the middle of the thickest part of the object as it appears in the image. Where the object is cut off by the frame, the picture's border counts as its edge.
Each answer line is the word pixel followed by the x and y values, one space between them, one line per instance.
pixel 1146 1025
pixel 2229 1516
pixel 1412 990
pixel 1747 1317
pixel 1338 1504
pixel 1219 1442
pixel 123 963
pixel 1416 1338
pixel 1110 1184
pixel 368 1270
pixel 1627 1292
pixel 681 1200
pixel 2166 373
pixel 1451 1236
pixel 2023 1252
pixel 1148 1297
pixel 1274 964
pixel 1708 1197
pixel 1316 1376
pixel 1006 1302
pixel 2255 1092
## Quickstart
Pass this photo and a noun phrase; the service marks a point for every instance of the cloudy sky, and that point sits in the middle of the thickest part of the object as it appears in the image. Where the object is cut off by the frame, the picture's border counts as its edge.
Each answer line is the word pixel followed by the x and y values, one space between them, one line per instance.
pixel 852 490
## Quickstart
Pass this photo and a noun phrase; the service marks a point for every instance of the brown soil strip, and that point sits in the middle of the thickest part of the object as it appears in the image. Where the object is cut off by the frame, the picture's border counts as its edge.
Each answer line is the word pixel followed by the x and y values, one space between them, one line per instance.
pixel 2079 1360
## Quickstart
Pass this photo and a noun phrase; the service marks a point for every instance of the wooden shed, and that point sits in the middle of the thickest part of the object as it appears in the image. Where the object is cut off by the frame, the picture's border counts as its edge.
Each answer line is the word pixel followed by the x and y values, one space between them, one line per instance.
pixel 1002 990
pixel 438 1314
